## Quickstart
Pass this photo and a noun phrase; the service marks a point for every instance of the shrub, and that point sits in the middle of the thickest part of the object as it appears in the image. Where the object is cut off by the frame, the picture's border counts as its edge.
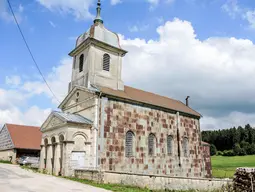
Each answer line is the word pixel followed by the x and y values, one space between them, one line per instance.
pixel 228 153
pixel 251 149
pixel 237 149
pixel 242 152
pixel 219 153
pixel 213 150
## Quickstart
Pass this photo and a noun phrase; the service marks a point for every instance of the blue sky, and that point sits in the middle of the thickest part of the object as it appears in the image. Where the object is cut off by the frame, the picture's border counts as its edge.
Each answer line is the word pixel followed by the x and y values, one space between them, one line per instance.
pixel 222 32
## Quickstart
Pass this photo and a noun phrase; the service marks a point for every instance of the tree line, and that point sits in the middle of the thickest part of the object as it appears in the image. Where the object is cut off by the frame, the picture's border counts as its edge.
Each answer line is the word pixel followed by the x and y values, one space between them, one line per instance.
pixel 231 142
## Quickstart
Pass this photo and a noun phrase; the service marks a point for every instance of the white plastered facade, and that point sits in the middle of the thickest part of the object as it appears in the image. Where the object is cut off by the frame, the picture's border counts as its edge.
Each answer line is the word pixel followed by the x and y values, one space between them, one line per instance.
pixel 61 139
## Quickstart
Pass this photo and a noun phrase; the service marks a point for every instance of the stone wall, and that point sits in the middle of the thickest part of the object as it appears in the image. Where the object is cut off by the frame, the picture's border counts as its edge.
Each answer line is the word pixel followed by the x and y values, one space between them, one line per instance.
pixel 120 117
pixel 156 182
pixel 5 155
pixel 207 159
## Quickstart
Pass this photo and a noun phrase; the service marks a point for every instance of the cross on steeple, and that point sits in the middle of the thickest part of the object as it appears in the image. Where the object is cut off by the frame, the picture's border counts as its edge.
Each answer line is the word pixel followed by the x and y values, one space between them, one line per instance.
pixel 98 17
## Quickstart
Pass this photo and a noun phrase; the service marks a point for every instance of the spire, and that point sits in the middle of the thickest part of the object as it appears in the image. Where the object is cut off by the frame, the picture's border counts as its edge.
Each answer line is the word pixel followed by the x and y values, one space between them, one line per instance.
pixel 98 17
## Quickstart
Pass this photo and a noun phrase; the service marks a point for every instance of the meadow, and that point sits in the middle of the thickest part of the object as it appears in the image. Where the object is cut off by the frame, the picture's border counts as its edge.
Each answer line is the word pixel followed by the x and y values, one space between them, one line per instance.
pixel 225 167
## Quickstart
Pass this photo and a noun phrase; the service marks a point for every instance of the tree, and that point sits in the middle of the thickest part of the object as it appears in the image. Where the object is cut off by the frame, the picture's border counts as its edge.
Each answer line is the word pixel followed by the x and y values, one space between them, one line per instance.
pixel 237 149
pixel 227 140
pixel 213 150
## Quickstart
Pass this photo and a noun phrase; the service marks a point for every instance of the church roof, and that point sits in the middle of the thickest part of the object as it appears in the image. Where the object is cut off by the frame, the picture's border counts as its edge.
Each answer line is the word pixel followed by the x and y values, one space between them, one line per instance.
pixel 25 137
pixel 99 32
pixel 141 96
pixel 72 118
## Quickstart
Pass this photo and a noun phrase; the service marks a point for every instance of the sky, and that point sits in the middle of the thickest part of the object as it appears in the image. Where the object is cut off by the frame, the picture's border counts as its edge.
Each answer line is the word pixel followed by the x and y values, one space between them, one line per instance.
pixel 201 48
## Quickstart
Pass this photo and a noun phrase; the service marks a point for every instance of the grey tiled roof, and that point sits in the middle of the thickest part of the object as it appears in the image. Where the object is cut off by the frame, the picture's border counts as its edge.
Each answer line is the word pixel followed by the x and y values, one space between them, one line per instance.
pixel 74 118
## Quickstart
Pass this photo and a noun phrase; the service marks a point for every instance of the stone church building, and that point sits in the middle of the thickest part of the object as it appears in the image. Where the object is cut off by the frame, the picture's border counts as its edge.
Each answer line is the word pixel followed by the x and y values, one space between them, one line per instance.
pixel 107 126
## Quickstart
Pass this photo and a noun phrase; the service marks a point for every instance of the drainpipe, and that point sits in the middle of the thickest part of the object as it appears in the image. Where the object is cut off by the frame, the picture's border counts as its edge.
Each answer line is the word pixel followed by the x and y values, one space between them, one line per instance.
pixel 178 138
pixel 97 136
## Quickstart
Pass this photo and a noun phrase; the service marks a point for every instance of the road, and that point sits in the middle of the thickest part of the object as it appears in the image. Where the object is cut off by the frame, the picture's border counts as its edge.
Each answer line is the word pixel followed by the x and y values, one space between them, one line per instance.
pixel 15 179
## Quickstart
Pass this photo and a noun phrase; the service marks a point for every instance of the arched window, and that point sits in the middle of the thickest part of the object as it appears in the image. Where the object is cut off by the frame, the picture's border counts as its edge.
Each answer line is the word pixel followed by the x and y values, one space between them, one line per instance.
pixel 81 60
pixel 151 144
pixel 185 146
pixel 169 144
pixel 129 144
pixel 106 62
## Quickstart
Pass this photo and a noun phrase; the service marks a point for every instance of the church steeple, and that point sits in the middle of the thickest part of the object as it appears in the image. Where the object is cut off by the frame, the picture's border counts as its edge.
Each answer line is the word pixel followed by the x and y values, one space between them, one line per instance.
pixel 98 18
pixel 97 57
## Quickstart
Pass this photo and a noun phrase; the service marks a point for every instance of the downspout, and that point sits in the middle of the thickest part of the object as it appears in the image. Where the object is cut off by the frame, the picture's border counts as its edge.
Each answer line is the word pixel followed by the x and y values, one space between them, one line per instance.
pixel 99 115
pixel 178 139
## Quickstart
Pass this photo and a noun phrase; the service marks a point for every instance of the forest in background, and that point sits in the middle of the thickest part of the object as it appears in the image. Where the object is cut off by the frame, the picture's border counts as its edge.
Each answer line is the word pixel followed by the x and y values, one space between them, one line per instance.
pixel 231 142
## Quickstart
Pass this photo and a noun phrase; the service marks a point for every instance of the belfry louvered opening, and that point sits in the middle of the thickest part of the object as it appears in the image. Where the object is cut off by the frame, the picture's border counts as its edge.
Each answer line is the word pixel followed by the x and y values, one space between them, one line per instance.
pixel 81 60
pixel 106 62
pixel 129 143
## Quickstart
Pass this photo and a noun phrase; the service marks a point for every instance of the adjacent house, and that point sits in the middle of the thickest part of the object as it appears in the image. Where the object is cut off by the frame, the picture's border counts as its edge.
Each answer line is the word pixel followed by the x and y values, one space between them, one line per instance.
pixel 19 140
pixel 107 126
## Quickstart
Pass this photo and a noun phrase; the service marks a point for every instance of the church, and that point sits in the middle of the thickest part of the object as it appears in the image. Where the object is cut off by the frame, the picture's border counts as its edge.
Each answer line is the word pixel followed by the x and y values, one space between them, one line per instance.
pixel 106 126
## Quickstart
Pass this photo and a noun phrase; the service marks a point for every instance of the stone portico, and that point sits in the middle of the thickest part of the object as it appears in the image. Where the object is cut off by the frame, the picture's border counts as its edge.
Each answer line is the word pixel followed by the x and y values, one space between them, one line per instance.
pixel 67 138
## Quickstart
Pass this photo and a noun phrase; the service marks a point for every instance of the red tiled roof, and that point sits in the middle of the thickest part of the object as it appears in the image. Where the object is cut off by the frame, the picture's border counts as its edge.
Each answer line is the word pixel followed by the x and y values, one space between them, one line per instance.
pixel 150 98
pixel 25 137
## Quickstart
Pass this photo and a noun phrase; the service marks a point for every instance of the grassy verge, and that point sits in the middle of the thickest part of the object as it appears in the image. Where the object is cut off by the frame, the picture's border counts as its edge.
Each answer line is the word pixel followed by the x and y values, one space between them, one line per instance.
pixel 225 167
pixel 6 162
pixel 30 168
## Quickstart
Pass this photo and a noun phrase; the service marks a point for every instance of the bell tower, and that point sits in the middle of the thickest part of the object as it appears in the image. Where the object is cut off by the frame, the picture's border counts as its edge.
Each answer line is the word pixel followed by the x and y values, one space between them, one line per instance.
pixel 97 57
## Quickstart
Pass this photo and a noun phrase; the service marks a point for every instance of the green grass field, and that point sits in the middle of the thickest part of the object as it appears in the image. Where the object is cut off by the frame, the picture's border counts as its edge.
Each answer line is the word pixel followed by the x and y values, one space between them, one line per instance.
pixel 225 167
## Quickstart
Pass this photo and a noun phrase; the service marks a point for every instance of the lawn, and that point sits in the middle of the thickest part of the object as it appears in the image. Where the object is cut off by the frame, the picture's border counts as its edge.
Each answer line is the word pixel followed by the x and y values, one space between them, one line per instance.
pixel 225 167
pixel 6 162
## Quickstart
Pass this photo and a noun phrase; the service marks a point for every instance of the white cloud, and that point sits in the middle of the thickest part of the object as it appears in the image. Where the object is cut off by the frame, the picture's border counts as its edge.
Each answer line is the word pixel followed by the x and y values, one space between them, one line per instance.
pixel 232 119
pixel 250 16
pixel 234 10
pixel 32 116
pixel 11 102
pixel 79 8
pixel 160 20
pixel 217 73
pixel 13 80
pixel 115 2
pixel 15 102
pixel 154 3
pixel 138 27
pixel 57 79
pixel 21 8
pixel 52 24
pixel 7 16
